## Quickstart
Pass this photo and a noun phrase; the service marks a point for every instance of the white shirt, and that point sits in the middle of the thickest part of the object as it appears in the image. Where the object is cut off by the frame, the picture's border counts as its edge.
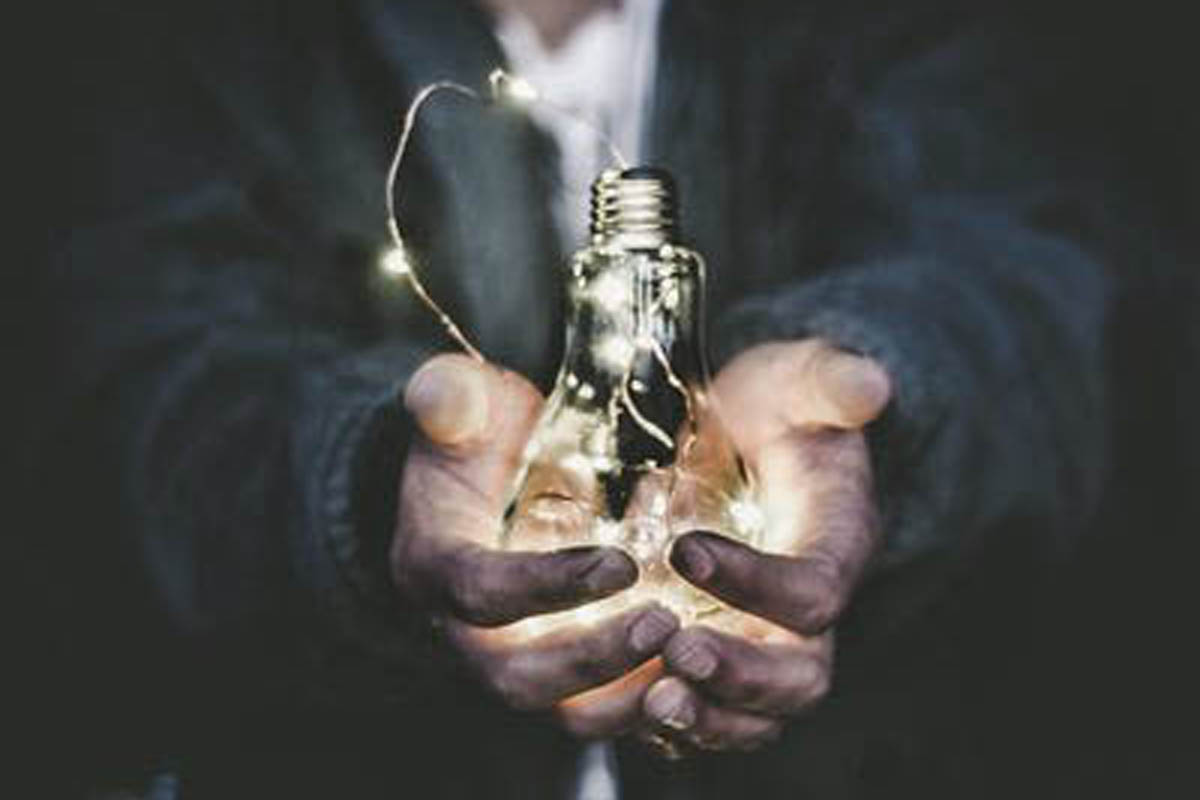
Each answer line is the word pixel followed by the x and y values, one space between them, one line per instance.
pixel 603 72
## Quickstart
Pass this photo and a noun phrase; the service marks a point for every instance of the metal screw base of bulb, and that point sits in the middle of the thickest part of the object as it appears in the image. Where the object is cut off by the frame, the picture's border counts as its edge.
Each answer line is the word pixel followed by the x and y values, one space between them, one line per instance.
pixel 634 208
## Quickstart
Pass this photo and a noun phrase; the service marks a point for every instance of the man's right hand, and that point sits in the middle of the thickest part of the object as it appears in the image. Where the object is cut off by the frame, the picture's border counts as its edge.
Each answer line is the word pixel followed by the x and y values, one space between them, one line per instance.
pixel 472 423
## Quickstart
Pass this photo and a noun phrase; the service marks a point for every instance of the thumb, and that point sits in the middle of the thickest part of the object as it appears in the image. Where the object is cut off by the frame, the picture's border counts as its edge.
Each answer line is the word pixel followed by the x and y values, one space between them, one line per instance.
pixel 837 388
pixel 774 388
pixel 476 419
pixel 463 405
pixel 448 398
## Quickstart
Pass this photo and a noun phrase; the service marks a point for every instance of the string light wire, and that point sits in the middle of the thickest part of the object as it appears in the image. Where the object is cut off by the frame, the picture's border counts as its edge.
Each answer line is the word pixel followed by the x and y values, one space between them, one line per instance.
pixel 504 87
pixel 399 262
pixel 520 90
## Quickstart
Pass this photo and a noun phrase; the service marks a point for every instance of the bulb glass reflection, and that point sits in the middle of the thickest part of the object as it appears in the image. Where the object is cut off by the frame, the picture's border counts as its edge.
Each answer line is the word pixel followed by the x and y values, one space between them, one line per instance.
pixel 629 450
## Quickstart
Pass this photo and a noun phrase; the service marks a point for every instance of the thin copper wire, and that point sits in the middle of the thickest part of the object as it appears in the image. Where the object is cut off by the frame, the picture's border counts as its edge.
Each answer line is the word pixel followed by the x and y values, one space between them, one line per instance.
pixel 410 121
pixel 497 78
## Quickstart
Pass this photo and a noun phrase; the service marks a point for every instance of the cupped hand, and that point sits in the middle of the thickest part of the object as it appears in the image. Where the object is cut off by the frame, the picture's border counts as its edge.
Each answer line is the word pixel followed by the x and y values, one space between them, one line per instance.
pixel 796 412
pixel 472 422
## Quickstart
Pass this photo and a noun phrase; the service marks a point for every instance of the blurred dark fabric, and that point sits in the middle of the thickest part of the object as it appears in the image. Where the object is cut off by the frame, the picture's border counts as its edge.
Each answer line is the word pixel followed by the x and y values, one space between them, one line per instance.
pixel 1058 675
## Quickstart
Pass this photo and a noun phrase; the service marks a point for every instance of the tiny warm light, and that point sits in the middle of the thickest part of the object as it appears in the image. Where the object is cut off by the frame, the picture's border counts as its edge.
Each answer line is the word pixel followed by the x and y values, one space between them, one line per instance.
pixel 522 90
pixel 610 292
pixel 512 88
pixel 607 532
pixel 615 352
pixel 746 516
pixel 504 89
pixel 394 263
pixel 577 462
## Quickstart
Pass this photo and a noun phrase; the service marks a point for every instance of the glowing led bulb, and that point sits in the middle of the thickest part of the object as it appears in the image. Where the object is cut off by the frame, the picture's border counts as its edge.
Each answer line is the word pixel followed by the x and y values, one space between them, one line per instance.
pixel 615 352
pixel 613 459
pixel 609 291
pixel 747 516
pixel 512 88
pixel 394 263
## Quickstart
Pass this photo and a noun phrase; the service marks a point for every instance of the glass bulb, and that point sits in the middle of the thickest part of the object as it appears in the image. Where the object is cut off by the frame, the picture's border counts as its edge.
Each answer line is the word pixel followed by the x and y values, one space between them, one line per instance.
pixel 629 450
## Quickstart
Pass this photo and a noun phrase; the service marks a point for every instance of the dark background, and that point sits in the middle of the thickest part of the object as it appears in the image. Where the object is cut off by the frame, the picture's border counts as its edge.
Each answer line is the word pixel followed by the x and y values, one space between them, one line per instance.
pixel 1117 632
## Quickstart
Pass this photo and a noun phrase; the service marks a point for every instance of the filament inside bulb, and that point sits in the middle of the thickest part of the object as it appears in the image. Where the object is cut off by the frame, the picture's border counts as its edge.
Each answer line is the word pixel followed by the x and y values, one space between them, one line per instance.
pixel 627 453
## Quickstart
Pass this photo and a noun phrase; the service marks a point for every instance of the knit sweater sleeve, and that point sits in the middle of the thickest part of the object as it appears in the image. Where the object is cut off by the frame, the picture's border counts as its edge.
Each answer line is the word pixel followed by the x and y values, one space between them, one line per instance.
pixel 990 323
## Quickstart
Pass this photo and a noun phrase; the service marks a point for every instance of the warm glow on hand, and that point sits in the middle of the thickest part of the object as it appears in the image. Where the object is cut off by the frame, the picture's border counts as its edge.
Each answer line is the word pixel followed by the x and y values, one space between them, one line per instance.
pixel 795 411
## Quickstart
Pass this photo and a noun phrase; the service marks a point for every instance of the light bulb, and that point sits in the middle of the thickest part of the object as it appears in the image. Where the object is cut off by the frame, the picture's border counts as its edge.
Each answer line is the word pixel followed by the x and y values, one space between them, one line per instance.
pixel 630 450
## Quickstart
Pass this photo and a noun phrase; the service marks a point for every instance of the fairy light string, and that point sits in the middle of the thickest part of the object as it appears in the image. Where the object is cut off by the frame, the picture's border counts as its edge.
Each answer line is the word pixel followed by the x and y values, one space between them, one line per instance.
pixel 398 262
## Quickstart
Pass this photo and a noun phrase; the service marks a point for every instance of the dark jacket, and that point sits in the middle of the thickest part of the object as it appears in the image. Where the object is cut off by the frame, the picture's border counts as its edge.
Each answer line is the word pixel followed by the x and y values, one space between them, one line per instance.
pixel 228 360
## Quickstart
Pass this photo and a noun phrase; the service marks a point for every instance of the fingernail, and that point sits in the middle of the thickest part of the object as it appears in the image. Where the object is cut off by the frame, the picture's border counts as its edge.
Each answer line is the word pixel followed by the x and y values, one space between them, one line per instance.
pixel 692 559
pixel 608 571
pixel 448 400
pixel 696 662
pixel 652 629
pixel 668 703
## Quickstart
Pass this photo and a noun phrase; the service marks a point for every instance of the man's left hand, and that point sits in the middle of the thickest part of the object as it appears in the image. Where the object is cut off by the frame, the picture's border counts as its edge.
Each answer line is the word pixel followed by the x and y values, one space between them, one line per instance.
pixel 796 412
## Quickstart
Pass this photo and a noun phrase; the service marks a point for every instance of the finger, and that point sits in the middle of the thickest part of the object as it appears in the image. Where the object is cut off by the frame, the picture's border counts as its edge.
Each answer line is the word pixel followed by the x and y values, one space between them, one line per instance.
pixel 816 495
pixel 804 594
pixel 474 421
pixel 464 406
pixel 772 388
pixel 535 674
pixel 458 472
pixel 448 398
pixel 838 388
pixel 492 587
pixel 765 677
pixel 678 707
pixel 612 709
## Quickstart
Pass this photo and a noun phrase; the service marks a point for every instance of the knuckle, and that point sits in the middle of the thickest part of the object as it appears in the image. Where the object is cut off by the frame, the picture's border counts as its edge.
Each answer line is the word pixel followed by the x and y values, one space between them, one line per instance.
pixel 576 724
pixel 768 734
pixel 507 680
pixel 737 679
pixel 820 604
pixel 702 661
pixel 819 613
pixel 814 682
pixel 708 740
pixel 590 670
pixel 579 723
pixel 467 595
pixel 478 594
pixel 597 658
pixel 541 575
pixel 686 648
pixel 747 684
